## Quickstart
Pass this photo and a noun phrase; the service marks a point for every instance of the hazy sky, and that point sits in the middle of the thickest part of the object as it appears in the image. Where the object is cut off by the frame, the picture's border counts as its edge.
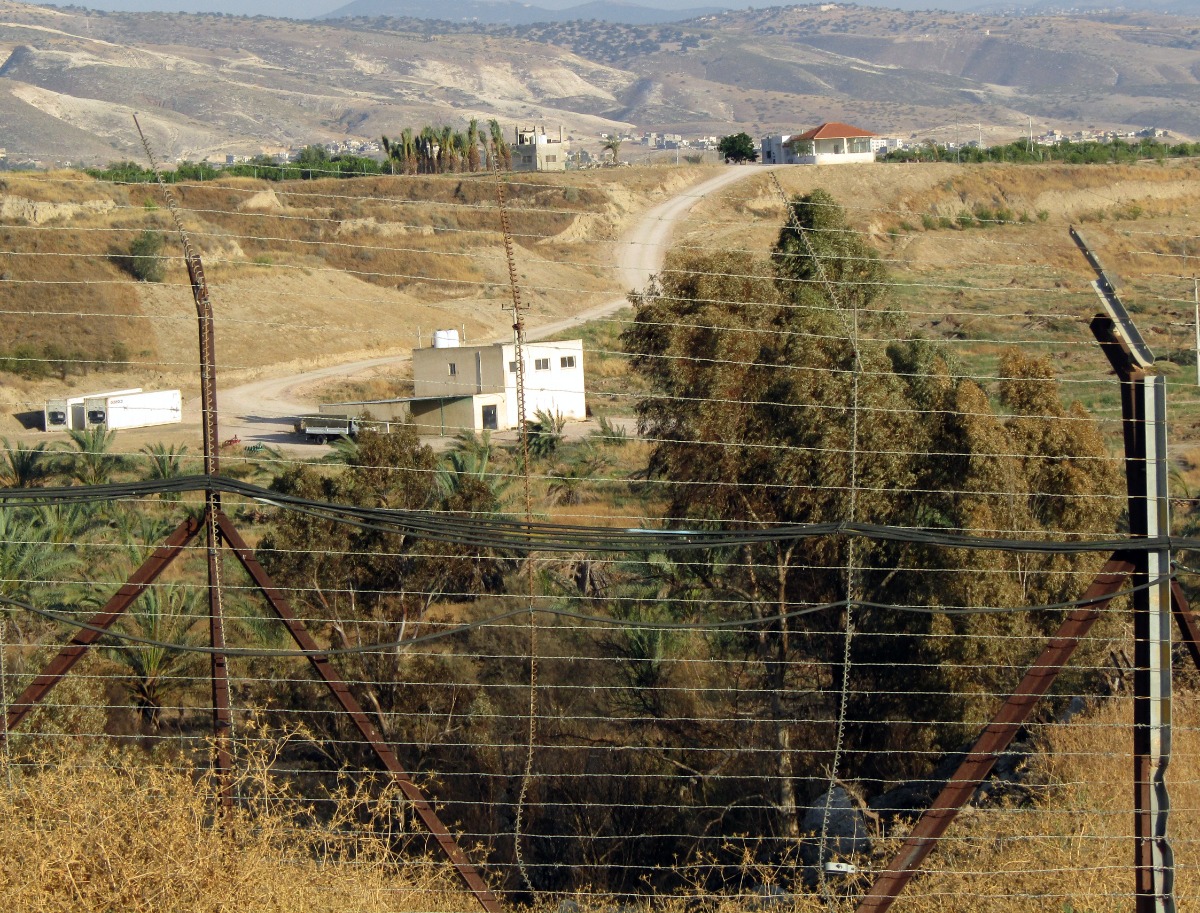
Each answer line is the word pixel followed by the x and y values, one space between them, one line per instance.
pixel 301 9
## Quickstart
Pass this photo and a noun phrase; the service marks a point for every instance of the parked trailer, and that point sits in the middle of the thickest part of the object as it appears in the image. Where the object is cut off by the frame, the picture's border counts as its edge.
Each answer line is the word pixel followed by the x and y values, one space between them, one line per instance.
pixel 321 428
pixel 134 410
pixel 68 414
pixel 56 416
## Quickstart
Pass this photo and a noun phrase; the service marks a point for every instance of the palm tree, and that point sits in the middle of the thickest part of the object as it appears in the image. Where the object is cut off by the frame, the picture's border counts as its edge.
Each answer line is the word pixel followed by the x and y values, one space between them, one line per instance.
pixel 30 558
pixel 390 151
pixel 501 153
pixel 473 144
pixel 427 151
pixel 23 467
pixel 164 462
pixel 66 522
pixel 613 145
pixel 408 151
pixel 470 442
pixel 545 432
pixel 568 483
pixel 168 614
pixel 343 450
pixel 93 464
pixel 466 483
pixel 446 152
pixel 461 153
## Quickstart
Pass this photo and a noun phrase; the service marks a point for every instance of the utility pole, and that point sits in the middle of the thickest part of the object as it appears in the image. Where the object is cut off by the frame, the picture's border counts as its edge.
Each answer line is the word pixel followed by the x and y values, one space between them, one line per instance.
pixel 1155 600
pixel 1143 408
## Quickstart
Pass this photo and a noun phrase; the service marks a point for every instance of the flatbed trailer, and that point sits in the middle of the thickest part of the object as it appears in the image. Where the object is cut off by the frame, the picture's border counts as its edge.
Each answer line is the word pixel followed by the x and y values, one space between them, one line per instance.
pixel 320 429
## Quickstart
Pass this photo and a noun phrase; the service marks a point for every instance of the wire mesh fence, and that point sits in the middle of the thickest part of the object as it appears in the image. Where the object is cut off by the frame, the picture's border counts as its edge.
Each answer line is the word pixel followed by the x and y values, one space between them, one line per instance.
pixel 843 482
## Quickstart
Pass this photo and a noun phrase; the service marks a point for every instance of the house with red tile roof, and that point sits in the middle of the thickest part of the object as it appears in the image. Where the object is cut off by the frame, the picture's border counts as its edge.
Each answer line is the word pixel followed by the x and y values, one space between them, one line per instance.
pixel 828 144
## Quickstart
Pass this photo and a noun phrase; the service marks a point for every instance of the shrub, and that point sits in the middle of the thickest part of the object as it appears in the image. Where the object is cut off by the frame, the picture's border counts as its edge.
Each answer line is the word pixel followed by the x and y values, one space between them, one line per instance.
pixel 928 222
pixel 144 261
pixel 545 432
pixel 608 433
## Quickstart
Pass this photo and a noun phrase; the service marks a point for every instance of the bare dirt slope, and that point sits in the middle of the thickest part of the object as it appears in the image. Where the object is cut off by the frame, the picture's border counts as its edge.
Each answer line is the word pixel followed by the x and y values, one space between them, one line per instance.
pixel 319 283
pixel 316 275
pixel 262 410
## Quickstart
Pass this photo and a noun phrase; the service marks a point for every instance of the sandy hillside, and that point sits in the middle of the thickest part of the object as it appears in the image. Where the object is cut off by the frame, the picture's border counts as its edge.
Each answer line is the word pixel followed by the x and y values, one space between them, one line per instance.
pixel 324 273
pixel 300 276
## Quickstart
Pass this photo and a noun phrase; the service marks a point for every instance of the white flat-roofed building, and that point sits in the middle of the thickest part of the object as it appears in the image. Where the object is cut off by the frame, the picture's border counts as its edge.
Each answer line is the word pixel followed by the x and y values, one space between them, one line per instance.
pixel 534 150
pixel 474 388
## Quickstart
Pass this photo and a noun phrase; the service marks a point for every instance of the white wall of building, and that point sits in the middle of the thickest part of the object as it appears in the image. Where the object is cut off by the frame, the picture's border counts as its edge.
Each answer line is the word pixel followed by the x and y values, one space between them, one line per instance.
pixel 779 150
pixel 554 376
pixel 553 379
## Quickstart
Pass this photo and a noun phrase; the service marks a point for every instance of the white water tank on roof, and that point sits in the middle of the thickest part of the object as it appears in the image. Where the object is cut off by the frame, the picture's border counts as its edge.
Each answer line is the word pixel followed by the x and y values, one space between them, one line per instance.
pixel 445 339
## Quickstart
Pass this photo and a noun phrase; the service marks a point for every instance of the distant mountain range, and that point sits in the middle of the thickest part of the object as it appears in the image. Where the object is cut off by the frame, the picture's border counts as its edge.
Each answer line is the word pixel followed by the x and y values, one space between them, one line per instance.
pixel 1073 7
pixel 650 11
pixel 217 86
pixel 510 12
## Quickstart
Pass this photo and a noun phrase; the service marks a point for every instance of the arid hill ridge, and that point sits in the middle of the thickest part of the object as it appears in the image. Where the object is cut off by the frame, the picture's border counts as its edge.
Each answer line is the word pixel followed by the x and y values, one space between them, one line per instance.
pixel 213 85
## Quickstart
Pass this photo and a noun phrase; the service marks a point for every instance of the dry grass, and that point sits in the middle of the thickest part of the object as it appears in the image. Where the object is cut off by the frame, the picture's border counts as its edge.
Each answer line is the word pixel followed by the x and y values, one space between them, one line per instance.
pixel 117 829
pixel 106 830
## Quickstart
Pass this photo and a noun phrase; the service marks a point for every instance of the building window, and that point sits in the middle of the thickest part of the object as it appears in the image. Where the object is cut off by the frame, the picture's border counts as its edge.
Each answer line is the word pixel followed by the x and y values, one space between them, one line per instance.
pixel 512 367
pixel 452 368
pixel 541 364
pixel 551 158
pixel 567 361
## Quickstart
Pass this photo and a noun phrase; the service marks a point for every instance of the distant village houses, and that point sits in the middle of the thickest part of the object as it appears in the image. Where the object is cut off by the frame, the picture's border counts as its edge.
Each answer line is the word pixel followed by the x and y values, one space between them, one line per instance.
pixel 829 144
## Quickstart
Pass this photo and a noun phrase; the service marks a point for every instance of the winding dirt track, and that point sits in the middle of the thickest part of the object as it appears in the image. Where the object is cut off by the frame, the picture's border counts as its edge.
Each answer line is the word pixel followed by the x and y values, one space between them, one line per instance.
pixel 263 411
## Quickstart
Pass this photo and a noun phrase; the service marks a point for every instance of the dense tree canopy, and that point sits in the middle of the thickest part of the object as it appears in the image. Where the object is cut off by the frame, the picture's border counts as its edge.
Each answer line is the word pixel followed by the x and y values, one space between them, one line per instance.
pixel 737 148
pixel 787 390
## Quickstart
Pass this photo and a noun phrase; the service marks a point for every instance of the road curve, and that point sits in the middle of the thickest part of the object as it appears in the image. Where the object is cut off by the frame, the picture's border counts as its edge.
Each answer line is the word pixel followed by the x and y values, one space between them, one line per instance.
pixel 263 410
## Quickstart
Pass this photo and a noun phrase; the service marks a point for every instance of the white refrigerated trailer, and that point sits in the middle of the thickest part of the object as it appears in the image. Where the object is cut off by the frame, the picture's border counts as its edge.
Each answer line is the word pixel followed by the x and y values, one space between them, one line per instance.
pixel 134 410
pixel 68 413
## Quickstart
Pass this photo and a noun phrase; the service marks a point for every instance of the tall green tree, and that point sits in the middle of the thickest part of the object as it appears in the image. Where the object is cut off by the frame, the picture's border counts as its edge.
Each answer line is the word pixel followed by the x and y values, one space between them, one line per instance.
pixel 612 146
pixel 392 152
pixel 500 151
pixel 370 585
pixel 472 145
pixel 787 390
pixel 737 148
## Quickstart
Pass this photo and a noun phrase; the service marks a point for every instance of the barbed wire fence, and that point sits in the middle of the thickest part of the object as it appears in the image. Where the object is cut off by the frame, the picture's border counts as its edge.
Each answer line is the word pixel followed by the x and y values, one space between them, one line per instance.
pixel 708 730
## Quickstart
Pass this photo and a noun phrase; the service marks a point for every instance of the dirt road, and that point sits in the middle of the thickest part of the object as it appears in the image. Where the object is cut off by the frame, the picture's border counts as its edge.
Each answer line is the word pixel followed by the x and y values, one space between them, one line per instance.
pixel 263 411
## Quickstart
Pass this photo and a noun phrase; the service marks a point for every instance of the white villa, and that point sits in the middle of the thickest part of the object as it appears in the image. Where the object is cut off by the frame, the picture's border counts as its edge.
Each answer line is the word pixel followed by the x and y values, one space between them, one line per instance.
pixel 828 144
pixel 474 388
